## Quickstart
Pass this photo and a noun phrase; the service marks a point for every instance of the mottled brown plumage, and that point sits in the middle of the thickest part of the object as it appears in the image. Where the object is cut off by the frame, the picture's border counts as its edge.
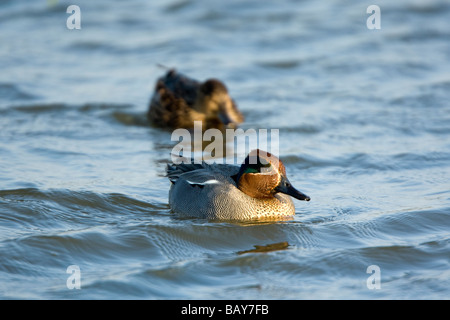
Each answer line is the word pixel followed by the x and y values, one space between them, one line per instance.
pixel 178 101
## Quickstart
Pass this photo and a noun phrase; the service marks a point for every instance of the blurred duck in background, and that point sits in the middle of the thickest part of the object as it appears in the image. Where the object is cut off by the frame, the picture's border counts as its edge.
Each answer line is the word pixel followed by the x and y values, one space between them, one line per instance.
pixel 178 101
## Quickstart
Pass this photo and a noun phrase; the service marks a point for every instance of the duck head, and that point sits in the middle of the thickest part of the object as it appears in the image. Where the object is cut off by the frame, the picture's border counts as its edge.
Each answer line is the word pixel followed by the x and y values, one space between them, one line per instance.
pixel 262 175
pixel 214 101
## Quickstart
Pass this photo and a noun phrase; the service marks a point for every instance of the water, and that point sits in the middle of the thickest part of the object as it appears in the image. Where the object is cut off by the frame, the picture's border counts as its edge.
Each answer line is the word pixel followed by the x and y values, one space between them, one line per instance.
pixel 364 120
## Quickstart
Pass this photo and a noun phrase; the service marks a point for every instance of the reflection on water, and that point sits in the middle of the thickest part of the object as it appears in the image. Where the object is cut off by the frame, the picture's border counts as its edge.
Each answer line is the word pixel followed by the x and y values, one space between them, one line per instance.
pixel 131 119
pixel 267 248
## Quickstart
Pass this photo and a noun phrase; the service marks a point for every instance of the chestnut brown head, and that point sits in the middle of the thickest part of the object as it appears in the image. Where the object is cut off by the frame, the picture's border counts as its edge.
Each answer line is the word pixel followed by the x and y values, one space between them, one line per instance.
pixel 262 175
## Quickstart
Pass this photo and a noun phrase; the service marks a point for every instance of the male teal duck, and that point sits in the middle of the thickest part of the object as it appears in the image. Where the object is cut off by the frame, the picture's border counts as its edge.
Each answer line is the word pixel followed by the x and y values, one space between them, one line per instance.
pixel 258 189
pixel 178 101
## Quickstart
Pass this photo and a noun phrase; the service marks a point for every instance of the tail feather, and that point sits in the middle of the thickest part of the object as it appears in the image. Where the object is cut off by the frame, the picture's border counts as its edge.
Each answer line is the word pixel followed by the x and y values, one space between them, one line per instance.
pixel 173 171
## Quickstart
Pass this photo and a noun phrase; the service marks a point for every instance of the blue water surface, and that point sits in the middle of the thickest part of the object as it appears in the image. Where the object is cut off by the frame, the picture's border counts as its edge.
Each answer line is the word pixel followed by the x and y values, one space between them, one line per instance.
pixel 364 129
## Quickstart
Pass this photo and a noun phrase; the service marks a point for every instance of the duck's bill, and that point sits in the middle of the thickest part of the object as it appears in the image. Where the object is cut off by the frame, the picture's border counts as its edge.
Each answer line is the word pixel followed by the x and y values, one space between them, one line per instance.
pixel 227 119
pixel 227 115
pixel 286 187
pixel 299 195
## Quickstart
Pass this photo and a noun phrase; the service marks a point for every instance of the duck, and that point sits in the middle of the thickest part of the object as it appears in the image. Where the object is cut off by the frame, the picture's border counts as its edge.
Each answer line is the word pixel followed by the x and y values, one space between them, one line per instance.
pixel 258 189
pixel 178 101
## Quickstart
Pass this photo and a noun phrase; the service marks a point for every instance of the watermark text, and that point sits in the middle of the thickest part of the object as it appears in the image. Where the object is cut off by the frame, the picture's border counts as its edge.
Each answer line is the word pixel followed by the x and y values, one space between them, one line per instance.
pixel 74 280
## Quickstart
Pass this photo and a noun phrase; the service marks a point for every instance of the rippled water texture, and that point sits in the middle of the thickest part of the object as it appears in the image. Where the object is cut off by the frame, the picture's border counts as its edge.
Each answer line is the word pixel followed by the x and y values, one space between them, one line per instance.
pixel 364 120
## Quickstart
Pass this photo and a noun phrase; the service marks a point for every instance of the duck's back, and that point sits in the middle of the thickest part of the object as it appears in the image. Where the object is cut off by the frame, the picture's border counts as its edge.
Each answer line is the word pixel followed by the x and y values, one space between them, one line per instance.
pixel 172 100
pixel 180 86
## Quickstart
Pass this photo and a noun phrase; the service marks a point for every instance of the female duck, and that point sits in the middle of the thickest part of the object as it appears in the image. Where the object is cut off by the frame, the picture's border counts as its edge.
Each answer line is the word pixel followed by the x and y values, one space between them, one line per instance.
pixel 178 101
pixel 258 189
